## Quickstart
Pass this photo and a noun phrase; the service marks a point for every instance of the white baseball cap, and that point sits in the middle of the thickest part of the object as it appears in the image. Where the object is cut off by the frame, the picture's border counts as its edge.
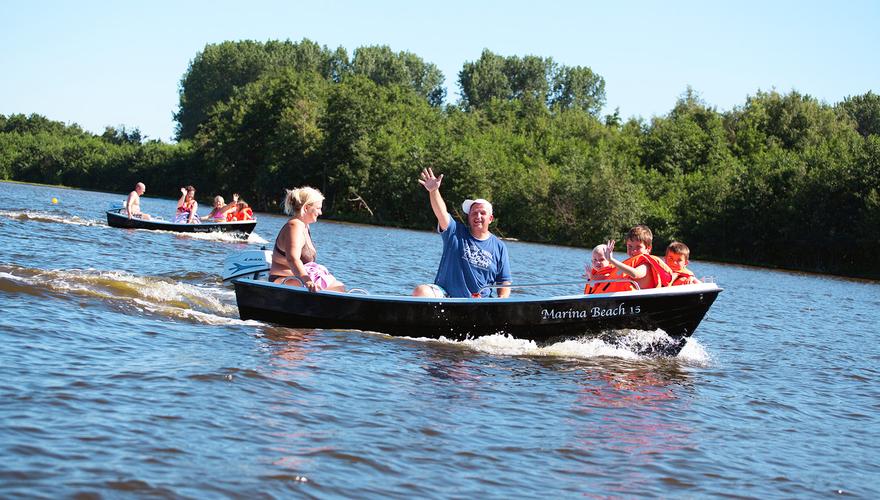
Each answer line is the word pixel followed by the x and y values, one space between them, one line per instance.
pixel 466 206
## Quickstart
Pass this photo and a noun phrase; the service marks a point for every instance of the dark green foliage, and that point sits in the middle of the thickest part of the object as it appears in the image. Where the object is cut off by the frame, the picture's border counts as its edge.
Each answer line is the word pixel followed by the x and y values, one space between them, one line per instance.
pixel 535 81
pixel 689 139
pixel 122 135
pixel 384 67
pixel 266 132
pixel 783 180
pixel 220 69
pixel 865 110
pixel 36 149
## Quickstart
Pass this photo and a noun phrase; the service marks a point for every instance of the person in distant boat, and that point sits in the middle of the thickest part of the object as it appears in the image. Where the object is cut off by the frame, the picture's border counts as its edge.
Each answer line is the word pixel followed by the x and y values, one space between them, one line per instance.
pixel 294 255
pixel 240 211
pixel 187 206
pixel 641 267
pixel 221 209
pixel 605 278
pixel 132 205
pixel 473 258
pixel 677 255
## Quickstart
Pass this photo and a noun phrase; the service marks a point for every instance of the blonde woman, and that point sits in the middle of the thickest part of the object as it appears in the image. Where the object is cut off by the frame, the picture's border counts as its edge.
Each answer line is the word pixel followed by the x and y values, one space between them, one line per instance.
pixel 218 213
pixel 294 255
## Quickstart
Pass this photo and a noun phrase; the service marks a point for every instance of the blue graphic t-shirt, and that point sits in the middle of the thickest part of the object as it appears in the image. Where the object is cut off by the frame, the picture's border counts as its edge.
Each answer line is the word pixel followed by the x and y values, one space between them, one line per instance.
pixel 468 264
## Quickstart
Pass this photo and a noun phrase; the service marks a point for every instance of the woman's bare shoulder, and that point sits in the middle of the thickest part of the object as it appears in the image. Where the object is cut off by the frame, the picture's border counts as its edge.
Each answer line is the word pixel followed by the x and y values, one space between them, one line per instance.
pixel 294 226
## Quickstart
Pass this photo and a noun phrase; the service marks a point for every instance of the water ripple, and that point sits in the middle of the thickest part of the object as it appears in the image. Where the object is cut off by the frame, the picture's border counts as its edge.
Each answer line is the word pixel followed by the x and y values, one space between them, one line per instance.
pixel 125 372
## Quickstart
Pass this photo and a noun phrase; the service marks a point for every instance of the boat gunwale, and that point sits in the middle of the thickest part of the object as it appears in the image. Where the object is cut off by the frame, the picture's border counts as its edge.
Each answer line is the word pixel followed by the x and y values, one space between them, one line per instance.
pixel 635 294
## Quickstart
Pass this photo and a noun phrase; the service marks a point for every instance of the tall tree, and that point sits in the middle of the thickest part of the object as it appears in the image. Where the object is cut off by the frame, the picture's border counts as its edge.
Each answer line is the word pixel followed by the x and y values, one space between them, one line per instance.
pixel 484 80
pixel 692 137
pixel 266 137
pixel 531 79
pixel 578 87
pixel 215 73
pixel 385 67
pixel 865 110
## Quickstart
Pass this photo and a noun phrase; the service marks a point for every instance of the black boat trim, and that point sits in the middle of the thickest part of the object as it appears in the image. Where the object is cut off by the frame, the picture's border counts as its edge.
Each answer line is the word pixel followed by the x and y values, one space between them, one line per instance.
pixel 115 218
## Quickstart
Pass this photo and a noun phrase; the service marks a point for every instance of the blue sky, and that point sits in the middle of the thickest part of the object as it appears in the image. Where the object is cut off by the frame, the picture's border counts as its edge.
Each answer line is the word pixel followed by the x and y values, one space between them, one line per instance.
pixel 100 63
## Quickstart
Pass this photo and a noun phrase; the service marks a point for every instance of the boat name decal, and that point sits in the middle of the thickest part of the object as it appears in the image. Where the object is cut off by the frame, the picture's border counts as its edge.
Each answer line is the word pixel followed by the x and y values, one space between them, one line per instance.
pixel 594 312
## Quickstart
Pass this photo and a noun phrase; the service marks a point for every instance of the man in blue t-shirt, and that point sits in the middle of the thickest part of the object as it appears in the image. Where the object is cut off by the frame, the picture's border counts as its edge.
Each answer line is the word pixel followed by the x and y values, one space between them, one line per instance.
pixel 472 256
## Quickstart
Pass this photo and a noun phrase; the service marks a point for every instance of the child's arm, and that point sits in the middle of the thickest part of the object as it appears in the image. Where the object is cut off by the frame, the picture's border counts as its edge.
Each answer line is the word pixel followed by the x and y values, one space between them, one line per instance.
pixel 633 272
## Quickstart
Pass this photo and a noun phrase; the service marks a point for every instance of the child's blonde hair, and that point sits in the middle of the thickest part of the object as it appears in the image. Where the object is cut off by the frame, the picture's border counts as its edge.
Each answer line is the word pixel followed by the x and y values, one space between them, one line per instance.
pixel 641 233
pixel 679 248
pixel 296 199
pixel 219 199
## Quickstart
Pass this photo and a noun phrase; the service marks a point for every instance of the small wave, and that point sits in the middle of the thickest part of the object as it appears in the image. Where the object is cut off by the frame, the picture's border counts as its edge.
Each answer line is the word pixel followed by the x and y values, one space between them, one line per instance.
pixel 257 239
pixel 630 345
pixel 252 239
pixel 506 345
pixel 163 296
pixel 695 353
pixel 229 237
pixel 27 215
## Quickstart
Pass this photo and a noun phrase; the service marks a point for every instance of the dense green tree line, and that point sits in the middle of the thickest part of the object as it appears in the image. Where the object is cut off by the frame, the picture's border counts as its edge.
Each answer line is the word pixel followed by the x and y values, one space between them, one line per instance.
pixel 35 149
pixel 782 180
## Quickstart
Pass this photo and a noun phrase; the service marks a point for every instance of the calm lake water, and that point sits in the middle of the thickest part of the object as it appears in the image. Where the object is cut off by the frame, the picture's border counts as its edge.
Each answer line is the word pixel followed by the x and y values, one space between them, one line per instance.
pixel 125 372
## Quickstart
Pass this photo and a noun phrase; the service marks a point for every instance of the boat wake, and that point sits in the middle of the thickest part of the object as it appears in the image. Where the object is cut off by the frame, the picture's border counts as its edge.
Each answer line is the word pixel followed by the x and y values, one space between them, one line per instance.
pixel 629 344
pixel 157 295
pixel 28 216
pixel 252 239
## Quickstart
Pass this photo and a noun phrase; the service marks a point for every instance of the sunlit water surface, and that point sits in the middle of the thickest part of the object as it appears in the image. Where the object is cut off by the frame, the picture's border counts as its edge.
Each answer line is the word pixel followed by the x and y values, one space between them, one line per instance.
pixel 124 369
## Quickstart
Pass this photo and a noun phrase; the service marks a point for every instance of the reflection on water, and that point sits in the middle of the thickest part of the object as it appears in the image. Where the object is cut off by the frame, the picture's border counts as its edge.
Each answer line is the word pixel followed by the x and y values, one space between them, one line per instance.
pixel 628 405
pixel 642 386
pixel 450 365
pixel 289 344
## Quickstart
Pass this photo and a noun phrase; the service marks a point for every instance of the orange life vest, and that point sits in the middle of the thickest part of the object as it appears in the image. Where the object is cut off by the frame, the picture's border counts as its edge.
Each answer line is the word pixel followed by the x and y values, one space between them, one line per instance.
pixel 607 273
pixel 684 276
pixel 246 214
pixel 658 271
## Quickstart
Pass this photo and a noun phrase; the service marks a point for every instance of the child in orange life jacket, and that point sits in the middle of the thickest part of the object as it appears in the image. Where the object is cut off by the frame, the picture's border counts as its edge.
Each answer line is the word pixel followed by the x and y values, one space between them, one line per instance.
pixel 677 254
pixel 642 267
pixel 242 211
pixel 601 271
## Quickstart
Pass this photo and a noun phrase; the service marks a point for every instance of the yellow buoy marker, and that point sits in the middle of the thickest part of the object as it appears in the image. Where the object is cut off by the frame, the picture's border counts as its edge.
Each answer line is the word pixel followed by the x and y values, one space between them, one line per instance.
pixel 54 201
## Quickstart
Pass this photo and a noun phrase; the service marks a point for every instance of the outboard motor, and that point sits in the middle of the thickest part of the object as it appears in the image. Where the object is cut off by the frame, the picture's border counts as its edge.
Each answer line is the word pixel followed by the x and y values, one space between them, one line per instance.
pixel 253 264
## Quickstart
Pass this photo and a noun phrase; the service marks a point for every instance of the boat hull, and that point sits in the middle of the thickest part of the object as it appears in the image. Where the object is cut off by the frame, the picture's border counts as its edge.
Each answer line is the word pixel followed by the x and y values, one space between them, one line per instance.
pixel 117 219
pixel 676 310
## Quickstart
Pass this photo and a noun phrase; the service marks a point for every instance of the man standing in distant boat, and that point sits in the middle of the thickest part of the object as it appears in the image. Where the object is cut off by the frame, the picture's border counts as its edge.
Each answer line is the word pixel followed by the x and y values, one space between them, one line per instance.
pixel 472 257
pixel 133 204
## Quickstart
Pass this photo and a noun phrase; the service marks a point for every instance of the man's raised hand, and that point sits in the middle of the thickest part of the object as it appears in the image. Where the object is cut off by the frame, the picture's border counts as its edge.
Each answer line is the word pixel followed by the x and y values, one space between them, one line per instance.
pixel 429 180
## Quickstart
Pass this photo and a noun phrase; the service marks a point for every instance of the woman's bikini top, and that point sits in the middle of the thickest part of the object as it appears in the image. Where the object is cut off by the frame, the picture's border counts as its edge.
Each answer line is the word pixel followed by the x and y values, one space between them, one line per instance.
pixel 308 253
